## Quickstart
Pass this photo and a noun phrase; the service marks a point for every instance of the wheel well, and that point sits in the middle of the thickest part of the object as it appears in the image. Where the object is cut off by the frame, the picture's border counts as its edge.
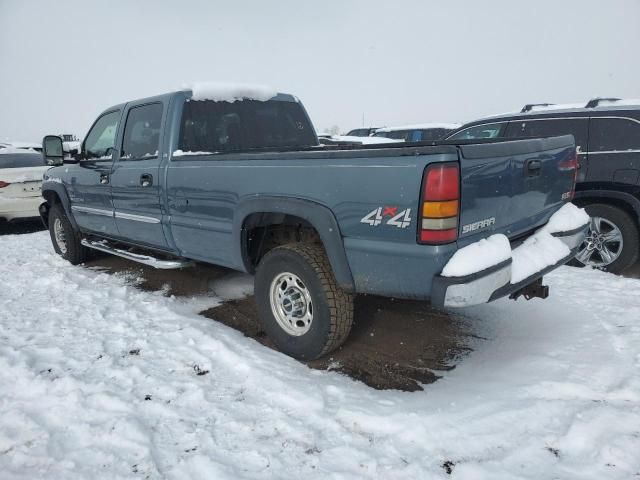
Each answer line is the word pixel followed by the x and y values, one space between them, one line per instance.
pixel 265 231
pixel 51 198
pixel 614 202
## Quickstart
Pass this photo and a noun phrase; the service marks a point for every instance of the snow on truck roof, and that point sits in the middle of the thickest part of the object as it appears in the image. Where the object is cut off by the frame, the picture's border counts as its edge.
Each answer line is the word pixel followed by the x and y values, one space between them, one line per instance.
pixel 230 92
pixel 420 126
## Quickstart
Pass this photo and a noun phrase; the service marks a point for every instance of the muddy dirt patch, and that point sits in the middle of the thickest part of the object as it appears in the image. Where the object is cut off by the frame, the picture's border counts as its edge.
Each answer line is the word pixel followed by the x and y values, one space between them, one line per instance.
pixel 394 344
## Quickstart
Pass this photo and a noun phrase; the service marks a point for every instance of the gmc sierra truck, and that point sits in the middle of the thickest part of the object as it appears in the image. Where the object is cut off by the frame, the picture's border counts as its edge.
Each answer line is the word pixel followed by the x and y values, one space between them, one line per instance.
pixel 234 176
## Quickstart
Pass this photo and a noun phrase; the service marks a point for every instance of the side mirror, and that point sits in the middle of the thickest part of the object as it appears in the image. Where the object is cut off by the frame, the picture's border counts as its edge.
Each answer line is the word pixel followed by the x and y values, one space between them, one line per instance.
pixel 52 150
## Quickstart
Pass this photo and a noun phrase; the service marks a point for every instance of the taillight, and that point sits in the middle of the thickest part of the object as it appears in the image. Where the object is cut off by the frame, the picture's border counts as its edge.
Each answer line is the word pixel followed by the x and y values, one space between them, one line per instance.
pixel 4 184
pixel 440 204
pixel 570 164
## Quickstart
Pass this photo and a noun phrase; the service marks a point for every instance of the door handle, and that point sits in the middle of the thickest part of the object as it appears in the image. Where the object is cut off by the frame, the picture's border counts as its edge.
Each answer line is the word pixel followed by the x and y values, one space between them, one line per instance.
pixel 104 178
pixel 533 168
pixel 146 180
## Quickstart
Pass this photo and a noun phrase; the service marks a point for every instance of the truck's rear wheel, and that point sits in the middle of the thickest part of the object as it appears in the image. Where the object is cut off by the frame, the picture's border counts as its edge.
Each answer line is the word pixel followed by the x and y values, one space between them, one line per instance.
pixel 612 240
pixel 301 307
pixel 65 239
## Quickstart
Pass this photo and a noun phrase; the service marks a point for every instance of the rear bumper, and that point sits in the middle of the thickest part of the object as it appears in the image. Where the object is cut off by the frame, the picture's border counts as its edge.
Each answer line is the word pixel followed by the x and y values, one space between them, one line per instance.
pixel 495 282
pixel 21 207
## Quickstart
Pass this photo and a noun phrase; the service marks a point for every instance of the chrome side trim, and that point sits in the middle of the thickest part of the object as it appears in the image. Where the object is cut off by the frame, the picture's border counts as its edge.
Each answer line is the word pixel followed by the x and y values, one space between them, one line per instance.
pixel 613 151
pixel 136 218
pixel 94 211
pixel 103 246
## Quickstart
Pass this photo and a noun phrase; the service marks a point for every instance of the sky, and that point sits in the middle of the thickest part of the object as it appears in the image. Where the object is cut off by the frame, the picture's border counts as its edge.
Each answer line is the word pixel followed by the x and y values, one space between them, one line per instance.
pixel 351 62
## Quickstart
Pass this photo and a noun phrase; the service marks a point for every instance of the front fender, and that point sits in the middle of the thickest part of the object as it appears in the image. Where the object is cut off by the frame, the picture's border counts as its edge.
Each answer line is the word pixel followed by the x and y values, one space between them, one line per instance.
pixel 53 192
pixel 319 216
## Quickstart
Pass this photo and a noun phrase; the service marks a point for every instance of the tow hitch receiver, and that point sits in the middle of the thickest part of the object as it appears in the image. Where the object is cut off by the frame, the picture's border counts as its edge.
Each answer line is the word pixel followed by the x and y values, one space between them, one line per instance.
pixel 534 290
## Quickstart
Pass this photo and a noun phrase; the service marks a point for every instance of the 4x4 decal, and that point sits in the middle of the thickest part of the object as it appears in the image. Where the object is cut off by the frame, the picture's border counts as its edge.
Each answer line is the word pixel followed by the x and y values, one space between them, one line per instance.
pixel 388 216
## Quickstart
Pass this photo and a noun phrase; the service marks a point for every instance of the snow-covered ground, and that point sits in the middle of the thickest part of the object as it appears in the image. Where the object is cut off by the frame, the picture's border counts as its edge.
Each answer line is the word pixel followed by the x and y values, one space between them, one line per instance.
pixel 101 380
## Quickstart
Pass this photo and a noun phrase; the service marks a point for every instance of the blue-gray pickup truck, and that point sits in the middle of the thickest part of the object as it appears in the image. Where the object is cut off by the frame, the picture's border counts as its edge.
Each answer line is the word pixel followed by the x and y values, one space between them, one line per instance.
pixel 236 177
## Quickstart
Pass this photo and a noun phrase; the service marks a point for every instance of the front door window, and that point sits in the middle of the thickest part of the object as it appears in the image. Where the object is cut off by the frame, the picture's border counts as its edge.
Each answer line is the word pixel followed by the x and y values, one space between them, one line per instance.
pixel 102 137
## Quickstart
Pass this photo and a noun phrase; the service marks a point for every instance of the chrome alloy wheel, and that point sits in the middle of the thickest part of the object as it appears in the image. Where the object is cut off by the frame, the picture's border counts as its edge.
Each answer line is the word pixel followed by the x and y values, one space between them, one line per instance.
pixel 291 304
pixel 58 233
pixel 602 245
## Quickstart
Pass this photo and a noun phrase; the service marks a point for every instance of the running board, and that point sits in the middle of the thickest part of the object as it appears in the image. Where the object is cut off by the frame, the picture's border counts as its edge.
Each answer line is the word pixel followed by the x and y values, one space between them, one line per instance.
pixel 103 246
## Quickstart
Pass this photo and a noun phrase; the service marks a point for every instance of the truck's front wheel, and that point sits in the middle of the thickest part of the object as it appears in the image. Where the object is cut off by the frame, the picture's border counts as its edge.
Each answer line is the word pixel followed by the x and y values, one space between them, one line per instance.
pixel 66 241
pixel 301 307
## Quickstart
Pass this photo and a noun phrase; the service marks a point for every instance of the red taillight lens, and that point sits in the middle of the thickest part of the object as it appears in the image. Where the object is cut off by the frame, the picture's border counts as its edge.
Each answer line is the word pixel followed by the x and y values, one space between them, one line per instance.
pixel 442 183
pixel 440 204
pixel 4 184
pixel 568 165
pixel 438 236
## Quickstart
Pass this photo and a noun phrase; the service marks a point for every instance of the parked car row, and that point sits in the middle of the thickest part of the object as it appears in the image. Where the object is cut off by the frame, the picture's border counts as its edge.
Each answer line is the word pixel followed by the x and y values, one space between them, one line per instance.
pixel 426 132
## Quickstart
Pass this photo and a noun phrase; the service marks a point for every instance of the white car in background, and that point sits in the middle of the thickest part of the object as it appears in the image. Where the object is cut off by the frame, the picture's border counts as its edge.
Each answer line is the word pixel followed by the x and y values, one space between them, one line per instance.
pixel 21 170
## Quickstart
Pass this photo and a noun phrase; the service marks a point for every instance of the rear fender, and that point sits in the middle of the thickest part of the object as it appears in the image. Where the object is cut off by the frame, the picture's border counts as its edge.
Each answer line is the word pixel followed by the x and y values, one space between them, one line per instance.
pixel 319 216
pixel 621 197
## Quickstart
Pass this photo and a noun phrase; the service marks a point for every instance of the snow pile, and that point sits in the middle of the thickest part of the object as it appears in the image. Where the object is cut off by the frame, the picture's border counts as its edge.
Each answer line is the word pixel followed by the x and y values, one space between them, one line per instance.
pixel 478 256
pixel 230 92
pixel 31 175
pixel 20 145
pixel 181 153
pixel 569 217
pixel 420 126
pixel 536 253
pixel 14 150
pixel 99 380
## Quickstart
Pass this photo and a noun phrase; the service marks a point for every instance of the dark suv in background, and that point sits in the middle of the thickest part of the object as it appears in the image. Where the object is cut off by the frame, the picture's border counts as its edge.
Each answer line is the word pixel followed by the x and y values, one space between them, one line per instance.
pixel 607 135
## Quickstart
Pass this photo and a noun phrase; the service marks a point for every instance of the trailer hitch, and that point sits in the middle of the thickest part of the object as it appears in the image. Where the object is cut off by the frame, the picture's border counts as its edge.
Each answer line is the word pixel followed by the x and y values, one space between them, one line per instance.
pixel 534 290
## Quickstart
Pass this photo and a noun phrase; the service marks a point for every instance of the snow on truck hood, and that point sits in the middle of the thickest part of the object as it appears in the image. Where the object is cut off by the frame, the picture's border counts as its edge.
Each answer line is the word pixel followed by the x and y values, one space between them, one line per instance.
pixel 230 92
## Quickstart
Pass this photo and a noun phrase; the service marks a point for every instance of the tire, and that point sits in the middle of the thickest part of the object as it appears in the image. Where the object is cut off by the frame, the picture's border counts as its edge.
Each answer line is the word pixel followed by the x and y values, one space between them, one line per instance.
pixel 67 242
pixel 625 252
pixel 299 278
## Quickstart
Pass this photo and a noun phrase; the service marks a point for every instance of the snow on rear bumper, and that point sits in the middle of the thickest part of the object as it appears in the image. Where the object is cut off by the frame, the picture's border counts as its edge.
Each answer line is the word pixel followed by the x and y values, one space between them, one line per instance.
pixel 496 281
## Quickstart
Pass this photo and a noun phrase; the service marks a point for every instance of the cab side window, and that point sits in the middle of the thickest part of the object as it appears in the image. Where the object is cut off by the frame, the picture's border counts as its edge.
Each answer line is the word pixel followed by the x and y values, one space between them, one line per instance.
pixel 488 130
pixel 550 128
pixel 613 134
pixel 141 138
pixel 101 139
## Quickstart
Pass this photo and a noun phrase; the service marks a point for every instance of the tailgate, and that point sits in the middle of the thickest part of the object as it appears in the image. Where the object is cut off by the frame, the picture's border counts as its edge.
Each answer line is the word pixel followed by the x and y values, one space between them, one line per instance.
pixel 513 187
